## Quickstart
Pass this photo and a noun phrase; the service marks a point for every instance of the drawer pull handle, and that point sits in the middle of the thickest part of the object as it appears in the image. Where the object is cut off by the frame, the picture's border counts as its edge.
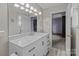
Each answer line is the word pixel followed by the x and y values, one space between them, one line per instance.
pixel 42 43
pixel 31 49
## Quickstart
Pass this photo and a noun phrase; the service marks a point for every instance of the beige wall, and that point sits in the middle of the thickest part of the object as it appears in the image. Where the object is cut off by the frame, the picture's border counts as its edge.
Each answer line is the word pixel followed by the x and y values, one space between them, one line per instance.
pixel 3 27
pixel 74 11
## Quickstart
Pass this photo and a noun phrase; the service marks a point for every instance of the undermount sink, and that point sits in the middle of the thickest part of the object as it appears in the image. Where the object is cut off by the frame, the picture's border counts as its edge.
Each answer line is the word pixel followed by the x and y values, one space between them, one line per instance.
pixel 31 34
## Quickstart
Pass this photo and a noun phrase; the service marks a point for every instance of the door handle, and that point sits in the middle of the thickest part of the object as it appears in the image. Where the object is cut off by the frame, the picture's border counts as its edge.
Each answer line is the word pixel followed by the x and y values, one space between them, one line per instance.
pixel 69 35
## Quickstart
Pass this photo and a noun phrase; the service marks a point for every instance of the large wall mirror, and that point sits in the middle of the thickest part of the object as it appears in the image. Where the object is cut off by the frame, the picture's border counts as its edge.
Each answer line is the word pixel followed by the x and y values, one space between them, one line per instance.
pixel 19 21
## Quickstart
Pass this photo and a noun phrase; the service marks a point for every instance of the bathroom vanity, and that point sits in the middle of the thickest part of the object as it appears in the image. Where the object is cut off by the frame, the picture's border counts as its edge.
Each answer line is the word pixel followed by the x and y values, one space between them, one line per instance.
pixel 35 44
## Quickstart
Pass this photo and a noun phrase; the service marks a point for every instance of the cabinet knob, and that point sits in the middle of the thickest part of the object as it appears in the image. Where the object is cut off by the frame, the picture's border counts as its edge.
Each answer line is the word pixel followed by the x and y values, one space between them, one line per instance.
pixel 69 35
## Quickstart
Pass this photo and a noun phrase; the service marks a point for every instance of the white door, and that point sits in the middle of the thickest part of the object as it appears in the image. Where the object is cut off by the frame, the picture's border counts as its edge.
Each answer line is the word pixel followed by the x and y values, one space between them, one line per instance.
pixel 68 30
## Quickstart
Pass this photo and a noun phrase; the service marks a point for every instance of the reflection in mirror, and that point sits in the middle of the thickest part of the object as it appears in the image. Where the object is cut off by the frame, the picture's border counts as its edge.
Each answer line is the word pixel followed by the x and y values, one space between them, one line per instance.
pixel 34 24
pixel 19 22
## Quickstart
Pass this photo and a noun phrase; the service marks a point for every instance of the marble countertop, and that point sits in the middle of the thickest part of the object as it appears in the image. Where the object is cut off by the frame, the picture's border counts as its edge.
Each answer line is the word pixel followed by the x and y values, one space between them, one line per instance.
pixel 28 39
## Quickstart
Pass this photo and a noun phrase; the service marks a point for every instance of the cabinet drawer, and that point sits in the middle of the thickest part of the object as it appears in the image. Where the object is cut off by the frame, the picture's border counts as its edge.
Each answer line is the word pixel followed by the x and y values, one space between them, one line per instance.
pixel 15 49
pixel 32 48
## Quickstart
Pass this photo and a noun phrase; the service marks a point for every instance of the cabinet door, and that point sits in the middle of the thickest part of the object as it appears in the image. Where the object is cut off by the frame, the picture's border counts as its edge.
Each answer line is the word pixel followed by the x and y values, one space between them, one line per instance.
pixel 15 49
pixel 39 48
pixel 44 45
pixel 28 50
pixel 33 49
pixel 77 42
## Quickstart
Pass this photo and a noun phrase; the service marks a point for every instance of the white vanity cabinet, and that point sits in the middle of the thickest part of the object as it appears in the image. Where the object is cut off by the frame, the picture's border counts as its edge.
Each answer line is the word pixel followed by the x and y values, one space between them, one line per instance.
pixel 45 43
pixel 38 47
pixel 77 41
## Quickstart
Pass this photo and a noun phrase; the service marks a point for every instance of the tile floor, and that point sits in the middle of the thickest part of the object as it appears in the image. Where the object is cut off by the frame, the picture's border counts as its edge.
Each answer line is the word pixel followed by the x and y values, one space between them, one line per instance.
pixel 60 44
pixel 56 52
pixel 58 49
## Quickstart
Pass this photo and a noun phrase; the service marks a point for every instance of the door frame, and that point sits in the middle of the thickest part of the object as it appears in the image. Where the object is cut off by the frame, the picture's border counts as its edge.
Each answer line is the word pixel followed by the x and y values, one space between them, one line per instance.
pixel 68 29
pixel 68 52
pixel 63 13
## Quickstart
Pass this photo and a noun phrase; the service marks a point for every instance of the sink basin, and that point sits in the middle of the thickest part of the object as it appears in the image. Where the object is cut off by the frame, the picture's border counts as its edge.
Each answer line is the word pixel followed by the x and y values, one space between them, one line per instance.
pixel 31 34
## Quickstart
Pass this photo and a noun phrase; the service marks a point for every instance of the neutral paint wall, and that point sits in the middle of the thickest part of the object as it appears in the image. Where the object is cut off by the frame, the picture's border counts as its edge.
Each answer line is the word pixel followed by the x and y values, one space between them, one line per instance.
pixel 3 27
pixel 39 24
pixel 74 14
pixel 47 18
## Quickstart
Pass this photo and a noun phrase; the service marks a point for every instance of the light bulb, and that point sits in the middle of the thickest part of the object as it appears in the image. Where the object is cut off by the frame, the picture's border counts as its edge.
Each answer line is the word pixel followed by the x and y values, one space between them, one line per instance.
pixel 31 8
pixel 27 5
pixel 22 8
pixel 40 13
pixel 27 10
pixel 35 10
pixel 16 5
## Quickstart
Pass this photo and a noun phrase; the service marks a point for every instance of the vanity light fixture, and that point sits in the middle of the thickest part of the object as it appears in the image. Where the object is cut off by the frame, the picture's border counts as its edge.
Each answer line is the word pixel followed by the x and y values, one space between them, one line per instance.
pixel 16 5
pixel 36 14
pixel 22 8
pixel 26 10
pixel 27 5
pixel 40 13
pixel 29 8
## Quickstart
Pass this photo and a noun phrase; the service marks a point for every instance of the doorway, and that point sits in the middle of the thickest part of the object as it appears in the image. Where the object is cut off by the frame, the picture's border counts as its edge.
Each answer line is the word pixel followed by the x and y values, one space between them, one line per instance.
pixel 58 30
pixel 34 24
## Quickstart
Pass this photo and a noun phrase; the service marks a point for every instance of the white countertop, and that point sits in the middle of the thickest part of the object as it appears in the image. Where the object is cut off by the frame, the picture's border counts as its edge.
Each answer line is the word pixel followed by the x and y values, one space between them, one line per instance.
pixel 28 39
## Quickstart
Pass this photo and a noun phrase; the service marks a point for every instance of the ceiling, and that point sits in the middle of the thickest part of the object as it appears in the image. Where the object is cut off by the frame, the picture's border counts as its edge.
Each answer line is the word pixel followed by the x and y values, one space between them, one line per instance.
pixel 49 5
